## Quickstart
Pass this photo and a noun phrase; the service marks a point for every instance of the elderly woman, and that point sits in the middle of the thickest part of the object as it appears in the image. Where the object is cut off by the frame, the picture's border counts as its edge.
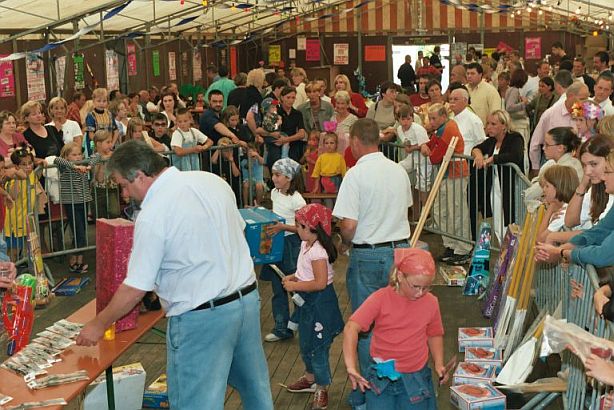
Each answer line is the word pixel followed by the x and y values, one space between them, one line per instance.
pixel 251 95
pixel 447 213
pixel 69 129
pixel 560 143
pixel 357 104
pixel 315 111
pixel 493 187
pixel 9 137
pixel 299 78
pixel 343 118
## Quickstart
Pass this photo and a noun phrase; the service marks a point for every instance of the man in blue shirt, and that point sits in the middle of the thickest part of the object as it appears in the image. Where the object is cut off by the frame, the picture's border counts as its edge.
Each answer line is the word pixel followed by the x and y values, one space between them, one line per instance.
pixel 210 123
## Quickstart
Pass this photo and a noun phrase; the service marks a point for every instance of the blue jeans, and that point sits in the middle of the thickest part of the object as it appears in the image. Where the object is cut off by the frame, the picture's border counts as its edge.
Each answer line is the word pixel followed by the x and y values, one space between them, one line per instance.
pixel 208 349
pixel 413 391
pixel 368 271
pixel 279 301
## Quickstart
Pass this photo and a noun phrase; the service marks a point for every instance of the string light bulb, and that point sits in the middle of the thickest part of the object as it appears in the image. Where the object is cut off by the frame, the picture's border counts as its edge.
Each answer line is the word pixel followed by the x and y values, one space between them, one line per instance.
pixel 205 3
pixel 540 12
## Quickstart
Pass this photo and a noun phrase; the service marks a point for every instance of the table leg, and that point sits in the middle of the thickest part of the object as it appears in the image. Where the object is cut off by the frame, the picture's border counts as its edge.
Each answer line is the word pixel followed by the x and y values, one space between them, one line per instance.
pixel 110 391
pixel 158 332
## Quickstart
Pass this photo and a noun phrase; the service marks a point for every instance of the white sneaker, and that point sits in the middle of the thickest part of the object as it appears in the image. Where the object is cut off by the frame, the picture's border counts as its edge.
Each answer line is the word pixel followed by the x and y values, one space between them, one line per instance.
pixel 272 337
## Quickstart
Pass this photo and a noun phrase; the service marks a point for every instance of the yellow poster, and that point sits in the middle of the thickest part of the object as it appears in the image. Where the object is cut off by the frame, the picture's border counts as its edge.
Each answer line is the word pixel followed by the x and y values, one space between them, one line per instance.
pixel 274 54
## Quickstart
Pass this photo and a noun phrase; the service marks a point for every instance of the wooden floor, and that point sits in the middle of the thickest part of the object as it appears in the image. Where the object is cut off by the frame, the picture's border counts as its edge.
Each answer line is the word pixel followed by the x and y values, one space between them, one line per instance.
pixel 283 357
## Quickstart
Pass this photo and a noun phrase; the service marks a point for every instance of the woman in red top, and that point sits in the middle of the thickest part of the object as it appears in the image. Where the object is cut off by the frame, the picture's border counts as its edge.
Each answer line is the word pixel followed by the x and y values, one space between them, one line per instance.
pixel 9 137
pixel 407 327
pixel 357 102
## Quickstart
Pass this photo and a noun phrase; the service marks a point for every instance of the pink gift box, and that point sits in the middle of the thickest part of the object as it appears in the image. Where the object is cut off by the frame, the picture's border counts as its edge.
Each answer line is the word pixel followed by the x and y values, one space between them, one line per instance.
pixel 113 246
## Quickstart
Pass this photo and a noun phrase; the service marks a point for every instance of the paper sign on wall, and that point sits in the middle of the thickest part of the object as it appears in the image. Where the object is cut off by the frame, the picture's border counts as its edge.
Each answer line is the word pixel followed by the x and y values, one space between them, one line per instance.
pixel 7 79
pixel 274 54
pixel 341 54
pixel 312 52
pixel 532 48
pixel 112 70
pixel 155 62
pixel 197 67
pixel 60 71
pixel 233 61
pixel 375 53
pixel 292 53
pixel 172 66
pixel 301 43
pixel 78 64
pixel 35 77
pixel 131 52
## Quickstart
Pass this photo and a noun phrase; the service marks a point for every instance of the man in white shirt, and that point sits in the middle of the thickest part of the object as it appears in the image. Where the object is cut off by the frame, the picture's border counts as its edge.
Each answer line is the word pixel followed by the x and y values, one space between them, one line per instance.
pixel 603 89
pixel 207 287
pixel 372 204
pixel 484 97
pixel 469 124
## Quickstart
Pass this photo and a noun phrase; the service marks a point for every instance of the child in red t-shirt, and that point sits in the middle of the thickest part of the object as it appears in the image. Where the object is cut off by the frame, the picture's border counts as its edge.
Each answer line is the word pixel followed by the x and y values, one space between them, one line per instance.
pixel 406 327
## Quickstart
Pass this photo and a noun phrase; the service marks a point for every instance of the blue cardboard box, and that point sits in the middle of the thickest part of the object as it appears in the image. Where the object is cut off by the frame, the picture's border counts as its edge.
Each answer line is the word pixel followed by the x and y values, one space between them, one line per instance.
pixel 156 395
pixel 263 248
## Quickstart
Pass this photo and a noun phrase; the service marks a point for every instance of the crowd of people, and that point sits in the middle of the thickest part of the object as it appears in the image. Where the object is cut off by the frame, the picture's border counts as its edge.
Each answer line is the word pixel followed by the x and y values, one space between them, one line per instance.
pixel 268 135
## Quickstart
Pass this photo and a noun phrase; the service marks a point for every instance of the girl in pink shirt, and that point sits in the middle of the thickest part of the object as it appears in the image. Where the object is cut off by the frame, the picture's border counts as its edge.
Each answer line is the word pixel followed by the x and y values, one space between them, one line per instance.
pixel 319 317
pixel 406 327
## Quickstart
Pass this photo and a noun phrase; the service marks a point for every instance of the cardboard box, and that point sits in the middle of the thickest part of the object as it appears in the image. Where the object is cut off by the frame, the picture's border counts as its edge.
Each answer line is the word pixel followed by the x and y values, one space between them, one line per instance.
pixel 453 275
pixel 475 337
pixel 484 356
pixel 113 247
pixel 263 248
pixel 128 385
pixel 71 286
pixel 473 373
pixel 474 397
pixel 156 395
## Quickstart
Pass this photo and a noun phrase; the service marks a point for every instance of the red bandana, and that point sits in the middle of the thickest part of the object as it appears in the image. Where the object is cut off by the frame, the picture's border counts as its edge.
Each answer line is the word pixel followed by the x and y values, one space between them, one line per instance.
pixel 313 215
pixel 412 261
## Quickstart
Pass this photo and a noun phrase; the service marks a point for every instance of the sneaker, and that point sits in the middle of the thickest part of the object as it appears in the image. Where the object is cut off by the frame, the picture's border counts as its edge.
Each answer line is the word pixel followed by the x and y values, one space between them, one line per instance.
pixel 459 260
pixel 302 385
pixel 274 337
pixel 320 400
pixel 447 255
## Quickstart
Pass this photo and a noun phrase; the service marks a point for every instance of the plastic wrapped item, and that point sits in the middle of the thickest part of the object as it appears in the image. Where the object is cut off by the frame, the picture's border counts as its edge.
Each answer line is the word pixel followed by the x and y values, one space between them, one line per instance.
pixel 57 379
pixel 18 317
pixel 36 404
pixel 560 335
pixel 4 399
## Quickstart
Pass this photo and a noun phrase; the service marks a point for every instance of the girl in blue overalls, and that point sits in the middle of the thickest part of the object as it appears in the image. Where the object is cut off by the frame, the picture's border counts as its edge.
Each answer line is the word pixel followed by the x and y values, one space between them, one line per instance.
pixel 187 143
pixel 319 317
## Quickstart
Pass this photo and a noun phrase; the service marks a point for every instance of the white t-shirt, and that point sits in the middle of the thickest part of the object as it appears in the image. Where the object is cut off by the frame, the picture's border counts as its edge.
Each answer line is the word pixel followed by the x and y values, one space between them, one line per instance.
pixel 585 212
pixel 416 134
pixel 165 257
pixel 376 193
pixel 471 128
pixel 557 224
pixel 189 138
pixel 287 205
pixel 70 130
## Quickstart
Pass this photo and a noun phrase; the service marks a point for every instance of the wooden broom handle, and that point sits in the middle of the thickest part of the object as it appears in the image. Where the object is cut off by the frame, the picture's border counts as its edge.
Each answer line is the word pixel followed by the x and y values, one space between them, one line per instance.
pixel 434 191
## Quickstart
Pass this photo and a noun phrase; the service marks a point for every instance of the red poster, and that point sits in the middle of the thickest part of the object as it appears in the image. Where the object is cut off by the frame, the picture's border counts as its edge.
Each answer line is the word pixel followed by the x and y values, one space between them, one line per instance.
pixel 532 48
pixel 375 53
pixel 312 53
pixel 233 61
pixel 131 52
pixel 7 79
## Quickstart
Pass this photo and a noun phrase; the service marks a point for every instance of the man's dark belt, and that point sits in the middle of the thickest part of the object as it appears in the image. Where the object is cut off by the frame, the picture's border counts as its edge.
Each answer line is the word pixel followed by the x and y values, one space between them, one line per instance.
pixel 227 299
pixel 391 244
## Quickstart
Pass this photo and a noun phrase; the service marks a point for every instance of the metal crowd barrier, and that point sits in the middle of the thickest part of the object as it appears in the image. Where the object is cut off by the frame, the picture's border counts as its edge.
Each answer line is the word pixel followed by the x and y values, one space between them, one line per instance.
pixel 54 219
pixel 551 285
pixel 469 194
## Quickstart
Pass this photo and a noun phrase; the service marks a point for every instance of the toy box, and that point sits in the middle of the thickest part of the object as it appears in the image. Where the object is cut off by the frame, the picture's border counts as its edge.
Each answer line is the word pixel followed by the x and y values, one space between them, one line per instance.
pixel 156 395
pixel 478 276
pixel 484 356
pixel 128 385
pixel 475 337
pixel 70 286
pixel 262 247
pixel 473 373
pixel 477 396
pixel 113 247
pixel 453 275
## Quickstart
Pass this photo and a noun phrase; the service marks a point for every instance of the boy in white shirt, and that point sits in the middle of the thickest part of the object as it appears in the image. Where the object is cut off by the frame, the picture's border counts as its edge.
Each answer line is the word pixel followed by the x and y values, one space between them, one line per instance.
pixel 187 143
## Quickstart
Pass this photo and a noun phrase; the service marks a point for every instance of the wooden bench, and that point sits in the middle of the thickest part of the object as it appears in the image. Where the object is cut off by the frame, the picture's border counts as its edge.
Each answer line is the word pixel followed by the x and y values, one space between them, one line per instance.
pixel 310 196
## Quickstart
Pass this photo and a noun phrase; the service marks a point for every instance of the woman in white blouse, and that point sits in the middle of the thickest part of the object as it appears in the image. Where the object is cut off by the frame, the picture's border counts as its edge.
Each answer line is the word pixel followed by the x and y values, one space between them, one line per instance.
pixel 71 131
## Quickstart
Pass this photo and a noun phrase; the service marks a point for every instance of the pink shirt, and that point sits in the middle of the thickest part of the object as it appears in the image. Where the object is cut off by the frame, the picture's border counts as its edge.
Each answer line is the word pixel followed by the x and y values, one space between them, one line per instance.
pixel 402 327
pixel 304 269
pixel 555 116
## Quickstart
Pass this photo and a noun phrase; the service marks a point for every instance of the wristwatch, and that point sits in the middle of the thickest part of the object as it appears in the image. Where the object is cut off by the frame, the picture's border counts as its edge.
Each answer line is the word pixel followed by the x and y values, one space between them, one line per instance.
pixel 563 257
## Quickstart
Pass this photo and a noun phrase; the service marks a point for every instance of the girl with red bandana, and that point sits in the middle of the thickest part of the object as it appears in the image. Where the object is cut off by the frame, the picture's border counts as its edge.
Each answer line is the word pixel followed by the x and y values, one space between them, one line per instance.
pixel 319 317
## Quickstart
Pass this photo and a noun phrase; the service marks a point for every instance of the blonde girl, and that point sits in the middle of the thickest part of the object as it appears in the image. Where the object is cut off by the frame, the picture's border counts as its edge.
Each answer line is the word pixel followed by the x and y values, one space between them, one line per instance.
pixel 105 188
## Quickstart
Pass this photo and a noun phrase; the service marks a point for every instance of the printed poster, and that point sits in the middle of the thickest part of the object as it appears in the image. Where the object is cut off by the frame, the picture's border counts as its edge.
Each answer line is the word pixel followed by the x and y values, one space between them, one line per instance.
pixel 7 79
pixel 301 43
pixel 79 66
pixel 197 67
pixel 172 66
pixel 312 52
pixel 35 77
pixel 185 72
pixel 233 61
pixel 155 62
pixel 112 70
pixel 131 52
pixel 292 53
pixel 341 54
pixel 60 74
pixel 375 53
pixel 532 48
pixel 274 54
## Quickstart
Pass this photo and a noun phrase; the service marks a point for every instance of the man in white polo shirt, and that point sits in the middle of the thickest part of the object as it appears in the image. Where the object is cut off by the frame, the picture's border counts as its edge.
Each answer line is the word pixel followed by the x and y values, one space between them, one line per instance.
pixel 192 252
pixel 372 204
pixel 603 89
